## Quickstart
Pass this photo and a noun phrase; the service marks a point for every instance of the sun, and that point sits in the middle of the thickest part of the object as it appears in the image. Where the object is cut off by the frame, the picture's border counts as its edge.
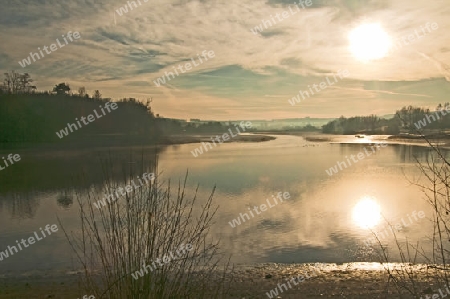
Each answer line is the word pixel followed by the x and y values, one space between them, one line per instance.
pixel 366 213
pixel 369 42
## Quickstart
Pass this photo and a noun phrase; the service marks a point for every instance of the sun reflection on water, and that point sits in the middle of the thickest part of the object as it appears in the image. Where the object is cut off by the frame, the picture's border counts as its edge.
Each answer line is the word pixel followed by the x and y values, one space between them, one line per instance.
pixel 366 213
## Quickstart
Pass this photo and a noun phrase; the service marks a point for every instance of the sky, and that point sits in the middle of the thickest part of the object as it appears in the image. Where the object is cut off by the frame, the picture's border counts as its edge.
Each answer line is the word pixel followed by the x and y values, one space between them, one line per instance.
pixel 251 76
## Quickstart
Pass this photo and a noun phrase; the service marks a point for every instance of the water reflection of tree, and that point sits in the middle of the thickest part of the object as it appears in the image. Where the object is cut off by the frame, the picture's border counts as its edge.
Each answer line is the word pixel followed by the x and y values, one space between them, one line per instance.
pixel 21 205
pixel 65 200
pixel 409 153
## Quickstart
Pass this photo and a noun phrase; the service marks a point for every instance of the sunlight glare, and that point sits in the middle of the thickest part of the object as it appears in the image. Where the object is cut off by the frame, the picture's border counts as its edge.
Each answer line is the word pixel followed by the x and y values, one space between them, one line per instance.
pixel 367 213
pixel 369 42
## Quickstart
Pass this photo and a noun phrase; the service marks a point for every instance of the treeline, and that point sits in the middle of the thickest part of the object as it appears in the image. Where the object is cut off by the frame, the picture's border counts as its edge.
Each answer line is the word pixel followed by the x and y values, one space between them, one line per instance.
pixel 362 124
pixel 413 118
pixel 170 126
pixel 27 116
pixel 37 117
pixel 307 128
pixel 30 116
pixel 405 120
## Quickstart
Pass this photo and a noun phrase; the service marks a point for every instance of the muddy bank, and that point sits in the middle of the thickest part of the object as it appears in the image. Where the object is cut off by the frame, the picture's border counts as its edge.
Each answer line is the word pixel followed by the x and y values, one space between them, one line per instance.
pixel 183 139
pixel 352 280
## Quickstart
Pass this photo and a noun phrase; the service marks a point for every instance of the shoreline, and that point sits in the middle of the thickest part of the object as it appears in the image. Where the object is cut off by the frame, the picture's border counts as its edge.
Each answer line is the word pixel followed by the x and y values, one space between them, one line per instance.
pixel 402 139
pixel 348 280
pixel 135 143
pixel 186 139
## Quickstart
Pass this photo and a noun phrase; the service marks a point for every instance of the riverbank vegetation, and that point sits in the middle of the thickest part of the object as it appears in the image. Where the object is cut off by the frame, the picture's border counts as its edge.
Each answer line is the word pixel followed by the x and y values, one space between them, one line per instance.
pixel 406 120
pixel 140 232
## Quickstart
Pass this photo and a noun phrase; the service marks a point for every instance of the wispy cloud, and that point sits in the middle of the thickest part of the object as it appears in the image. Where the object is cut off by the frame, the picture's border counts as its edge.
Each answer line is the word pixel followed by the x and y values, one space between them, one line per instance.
pixel 141 45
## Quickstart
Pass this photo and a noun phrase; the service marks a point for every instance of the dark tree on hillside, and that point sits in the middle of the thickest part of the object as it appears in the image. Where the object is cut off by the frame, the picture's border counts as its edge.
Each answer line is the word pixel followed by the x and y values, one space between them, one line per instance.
pixel 25 83
pixel 61 88
pixel 97 95
pixel 18 83
pixel 82 91
pixel 11 82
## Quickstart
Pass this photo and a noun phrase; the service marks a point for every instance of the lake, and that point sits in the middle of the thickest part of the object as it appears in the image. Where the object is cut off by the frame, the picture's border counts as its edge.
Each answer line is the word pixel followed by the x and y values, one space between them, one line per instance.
pixel 325 219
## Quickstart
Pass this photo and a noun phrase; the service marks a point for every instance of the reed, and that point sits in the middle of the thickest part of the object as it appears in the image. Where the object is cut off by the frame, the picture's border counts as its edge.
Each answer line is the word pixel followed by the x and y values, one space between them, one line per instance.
pixel 117 240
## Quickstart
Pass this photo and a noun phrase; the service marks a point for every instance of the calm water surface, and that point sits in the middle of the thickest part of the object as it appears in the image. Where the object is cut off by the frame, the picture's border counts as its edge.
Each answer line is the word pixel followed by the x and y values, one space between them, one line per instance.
pixel 317 224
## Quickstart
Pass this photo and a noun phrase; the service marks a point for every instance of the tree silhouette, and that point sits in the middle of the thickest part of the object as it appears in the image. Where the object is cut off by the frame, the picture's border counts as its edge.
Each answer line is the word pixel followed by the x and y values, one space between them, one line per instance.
pixel 97 95
pixel 61 88
pixel 82 91
pixel 18 83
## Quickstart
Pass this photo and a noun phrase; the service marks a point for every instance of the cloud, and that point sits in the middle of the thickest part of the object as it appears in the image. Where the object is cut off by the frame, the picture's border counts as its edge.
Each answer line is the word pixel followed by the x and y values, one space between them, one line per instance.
pixel 117 54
